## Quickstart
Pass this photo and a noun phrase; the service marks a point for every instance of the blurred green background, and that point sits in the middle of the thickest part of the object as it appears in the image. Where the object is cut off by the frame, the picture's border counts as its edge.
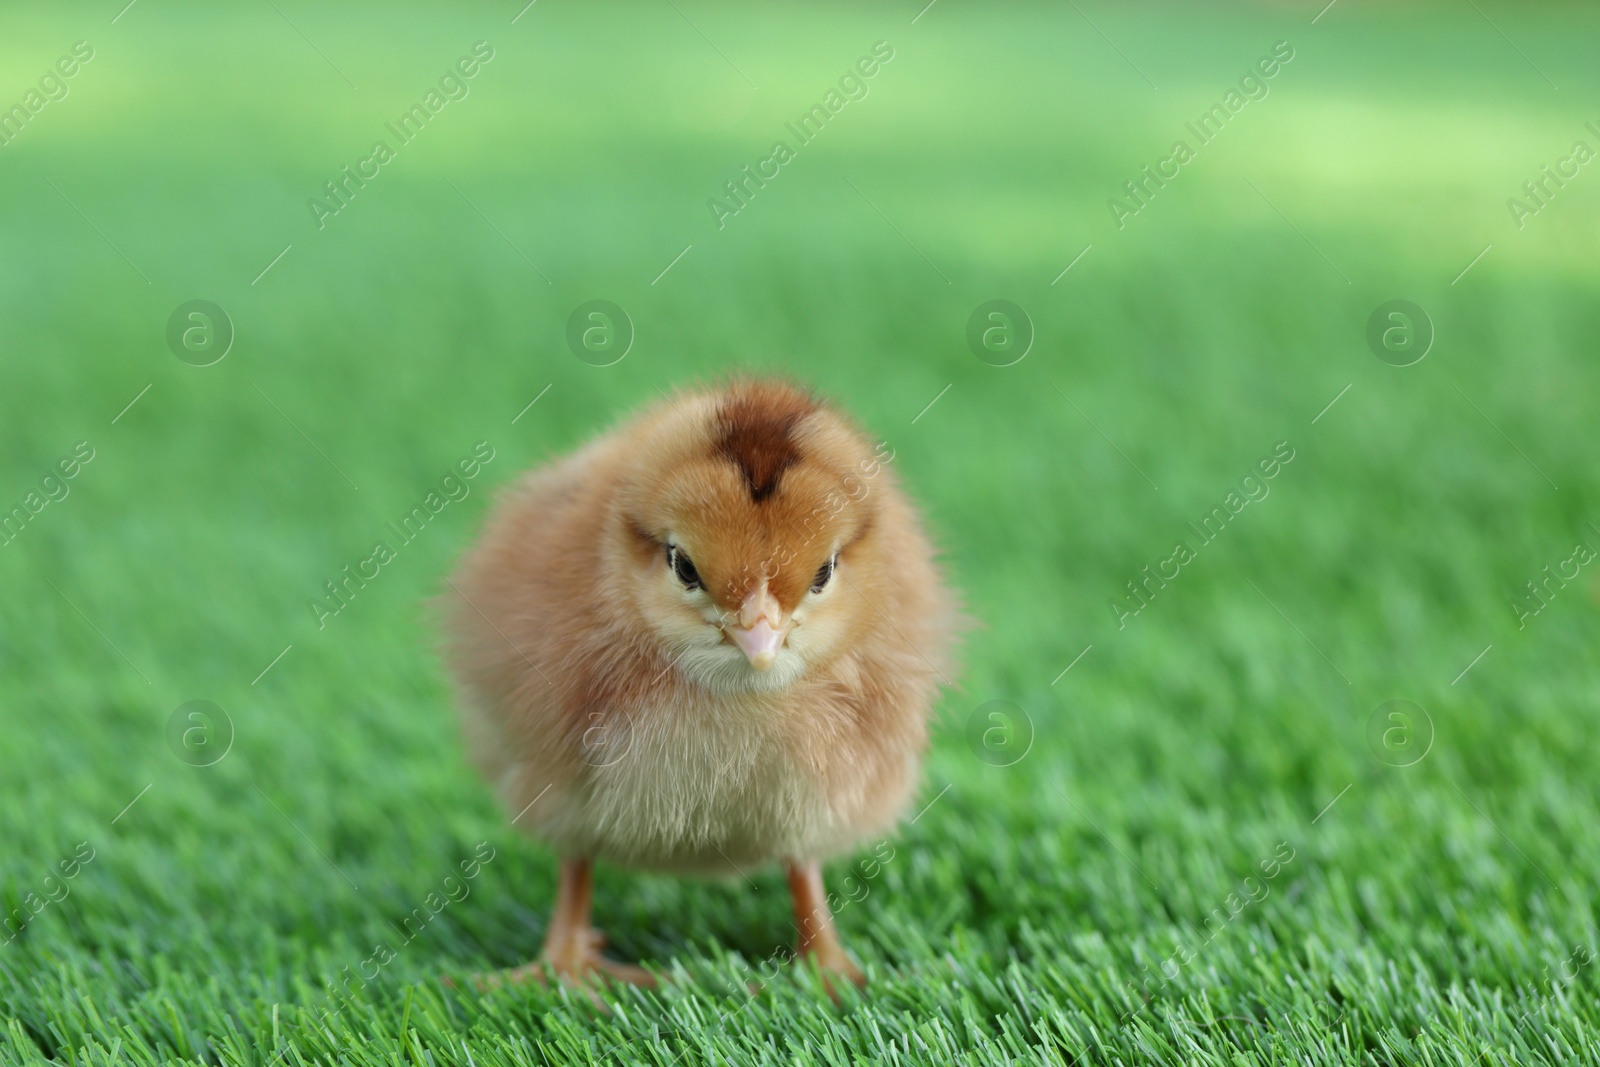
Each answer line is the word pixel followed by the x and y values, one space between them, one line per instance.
pixel 1051 909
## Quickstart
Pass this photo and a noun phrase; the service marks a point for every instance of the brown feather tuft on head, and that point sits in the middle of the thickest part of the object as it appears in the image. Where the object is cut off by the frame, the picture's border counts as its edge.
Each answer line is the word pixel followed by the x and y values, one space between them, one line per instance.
pixel 755 432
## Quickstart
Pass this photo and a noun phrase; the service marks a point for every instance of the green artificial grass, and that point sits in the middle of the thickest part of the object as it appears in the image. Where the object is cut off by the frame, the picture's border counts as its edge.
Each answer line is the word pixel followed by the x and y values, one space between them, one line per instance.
pixel 1205 842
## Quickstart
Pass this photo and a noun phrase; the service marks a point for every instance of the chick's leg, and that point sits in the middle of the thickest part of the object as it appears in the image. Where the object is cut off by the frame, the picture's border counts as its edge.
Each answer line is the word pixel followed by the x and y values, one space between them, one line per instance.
pixel 819 939
pixel 571 945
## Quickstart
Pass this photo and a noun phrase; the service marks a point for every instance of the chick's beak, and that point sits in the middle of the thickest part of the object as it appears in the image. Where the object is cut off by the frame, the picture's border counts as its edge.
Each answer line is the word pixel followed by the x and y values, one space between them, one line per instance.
pixel 759 630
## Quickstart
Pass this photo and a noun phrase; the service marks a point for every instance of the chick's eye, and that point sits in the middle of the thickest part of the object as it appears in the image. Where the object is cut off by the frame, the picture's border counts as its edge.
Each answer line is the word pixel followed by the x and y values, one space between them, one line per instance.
pixel 824 573
pixel 683 567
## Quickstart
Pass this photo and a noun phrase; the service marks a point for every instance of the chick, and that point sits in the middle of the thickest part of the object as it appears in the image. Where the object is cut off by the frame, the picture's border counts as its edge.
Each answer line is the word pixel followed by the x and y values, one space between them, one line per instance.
pixel 706 641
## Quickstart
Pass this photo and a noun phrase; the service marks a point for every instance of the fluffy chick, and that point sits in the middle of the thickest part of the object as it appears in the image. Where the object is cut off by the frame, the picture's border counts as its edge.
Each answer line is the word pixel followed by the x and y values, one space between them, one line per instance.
pixel 708 640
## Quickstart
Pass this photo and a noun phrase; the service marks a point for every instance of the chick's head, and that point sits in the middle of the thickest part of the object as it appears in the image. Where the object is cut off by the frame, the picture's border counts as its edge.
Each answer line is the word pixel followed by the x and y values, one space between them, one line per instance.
pixel 744 534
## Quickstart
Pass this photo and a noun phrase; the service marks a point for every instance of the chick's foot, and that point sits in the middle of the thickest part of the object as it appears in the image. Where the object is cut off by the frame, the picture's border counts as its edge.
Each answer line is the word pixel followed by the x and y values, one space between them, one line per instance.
pixel 818 941
pixel 575 957
pixel 571 946
pixel 571 952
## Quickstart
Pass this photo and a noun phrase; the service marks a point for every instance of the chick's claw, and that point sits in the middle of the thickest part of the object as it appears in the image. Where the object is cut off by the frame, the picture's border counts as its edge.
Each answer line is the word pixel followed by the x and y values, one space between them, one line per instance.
pixel 835 964
pixel 834 972
pixel 577 960
pixel 582 967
